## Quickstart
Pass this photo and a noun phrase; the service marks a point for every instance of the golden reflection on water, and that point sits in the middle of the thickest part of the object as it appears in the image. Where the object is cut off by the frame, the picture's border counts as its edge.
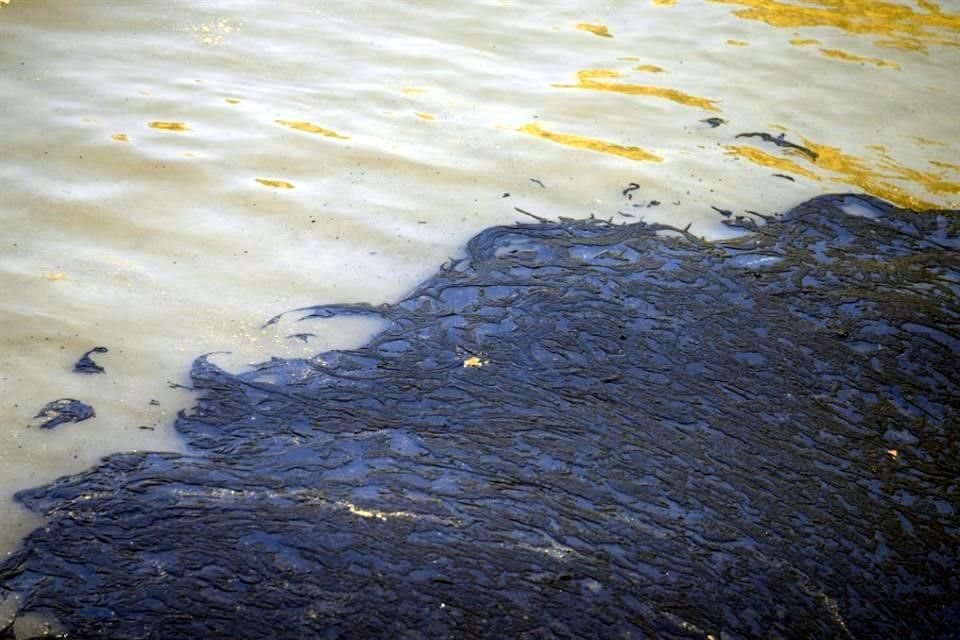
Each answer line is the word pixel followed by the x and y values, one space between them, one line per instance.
pixel 168 126
pixel 649 68
pixel 277 184
pixel 120 137
pixel 902 26
pixel 851 57
pixel 424 116
pixel 579 142
pixel 765 159
pixel 884 177
pixel 586 79
pixel 946 165
pixel 596 29
pixel 311 128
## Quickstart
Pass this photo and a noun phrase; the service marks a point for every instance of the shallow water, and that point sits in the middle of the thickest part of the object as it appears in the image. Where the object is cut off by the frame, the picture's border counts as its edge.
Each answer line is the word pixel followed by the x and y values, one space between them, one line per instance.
pixel 174 174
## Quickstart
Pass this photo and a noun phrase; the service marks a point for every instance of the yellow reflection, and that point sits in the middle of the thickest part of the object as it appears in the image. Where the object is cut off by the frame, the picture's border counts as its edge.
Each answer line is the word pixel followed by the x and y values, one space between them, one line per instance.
pixel 578 142
pixel 945 165
pixel 232 100
pixel 586 79
pixel 765 159
pixel 424 116
pixel 738 43
pixel 849 57
pixel 595 29
pixel 311 128
pixel 802 42
pixel 900 25
pixel 412 90
pixel 664 3
pixel 277 184
pixel 928 142
pixel 883 177
pixel 649 68
pixel 120 137
pixel 168 126
pixel 54 277
pixel 902 44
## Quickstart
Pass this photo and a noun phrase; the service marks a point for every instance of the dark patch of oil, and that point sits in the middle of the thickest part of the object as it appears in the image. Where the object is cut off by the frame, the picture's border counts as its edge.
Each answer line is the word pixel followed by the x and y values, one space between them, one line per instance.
pixel 781 141
pixel 86 364
pixel 580 430
pixel 62 411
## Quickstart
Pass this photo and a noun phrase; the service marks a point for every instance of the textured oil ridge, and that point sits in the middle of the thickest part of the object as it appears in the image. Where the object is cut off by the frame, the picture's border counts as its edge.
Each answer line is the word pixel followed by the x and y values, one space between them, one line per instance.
pixel 581 430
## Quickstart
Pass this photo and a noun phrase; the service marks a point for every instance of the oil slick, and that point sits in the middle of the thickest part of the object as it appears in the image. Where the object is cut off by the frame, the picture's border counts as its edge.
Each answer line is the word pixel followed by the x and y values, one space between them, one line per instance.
pixel 309 127
pixel 587 79
pixel 592 144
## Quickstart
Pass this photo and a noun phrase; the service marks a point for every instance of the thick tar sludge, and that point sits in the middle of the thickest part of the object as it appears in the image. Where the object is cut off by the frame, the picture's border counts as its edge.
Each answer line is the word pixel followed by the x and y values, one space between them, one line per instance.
pixel 62 411
pixel 579 431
